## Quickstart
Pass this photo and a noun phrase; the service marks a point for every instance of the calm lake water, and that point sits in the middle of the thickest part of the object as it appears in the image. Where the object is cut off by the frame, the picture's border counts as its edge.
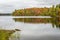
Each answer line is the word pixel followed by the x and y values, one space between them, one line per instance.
pixel 31 31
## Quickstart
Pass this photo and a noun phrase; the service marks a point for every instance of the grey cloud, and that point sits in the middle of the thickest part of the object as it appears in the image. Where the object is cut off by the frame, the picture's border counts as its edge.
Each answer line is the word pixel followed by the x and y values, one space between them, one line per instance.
pixel 10 6
pixel 6 8
pixel 49 2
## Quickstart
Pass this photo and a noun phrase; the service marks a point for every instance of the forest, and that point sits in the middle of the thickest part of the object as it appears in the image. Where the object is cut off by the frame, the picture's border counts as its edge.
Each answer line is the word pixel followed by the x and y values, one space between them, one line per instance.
pixel 52 11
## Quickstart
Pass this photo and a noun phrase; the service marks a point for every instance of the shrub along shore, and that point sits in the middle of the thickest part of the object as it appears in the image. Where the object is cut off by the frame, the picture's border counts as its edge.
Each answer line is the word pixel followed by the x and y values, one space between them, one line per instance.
pixel 5 34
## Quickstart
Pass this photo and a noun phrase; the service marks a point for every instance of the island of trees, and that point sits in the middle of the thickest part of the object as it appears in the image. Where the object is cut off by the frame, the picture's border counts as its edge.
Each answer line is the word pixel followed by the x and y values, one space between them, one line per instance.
pixel 53 11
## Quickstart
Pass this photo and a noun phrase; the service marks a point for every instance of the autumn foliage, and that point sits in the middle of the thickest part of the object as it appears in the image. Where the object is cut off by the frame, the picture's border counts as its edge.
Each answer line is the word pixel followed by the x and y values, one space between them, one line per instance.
pixel 29 12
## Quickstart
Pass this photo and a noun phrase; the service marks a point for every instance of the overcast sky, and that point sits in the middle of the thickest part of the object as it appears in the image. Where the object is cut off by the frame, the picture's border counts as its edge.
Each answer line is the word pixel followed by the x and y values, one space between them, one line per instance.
pixel 7 6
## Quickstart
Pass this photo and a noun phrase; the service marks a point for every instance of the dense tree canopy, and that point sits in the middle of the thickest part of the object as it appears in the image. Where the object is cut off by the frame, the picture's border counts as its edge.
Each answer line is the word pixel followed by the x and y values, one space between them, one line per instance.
pixel 52 11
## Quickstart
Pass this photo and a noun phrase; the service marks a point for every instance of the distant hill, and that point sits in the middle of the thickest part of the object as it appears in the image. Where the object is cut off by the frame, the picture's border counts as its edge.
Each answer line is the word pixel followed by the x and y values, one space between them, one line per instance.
pixel 5 14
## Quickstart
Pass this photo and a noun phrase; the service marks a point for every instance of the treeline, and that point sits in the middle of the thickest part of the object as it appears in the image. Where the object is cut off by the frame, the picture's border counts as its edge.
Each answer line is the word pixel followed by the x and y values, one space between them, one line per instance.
pixel 52 11
pixel 29 12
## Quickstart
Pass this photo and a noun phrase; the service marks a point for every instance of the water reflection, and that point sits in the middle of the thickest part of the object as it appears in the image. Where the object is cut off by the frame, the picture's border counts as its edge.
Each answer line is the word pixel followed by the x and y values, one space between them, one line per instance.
pixel 53 21
pixel 30 31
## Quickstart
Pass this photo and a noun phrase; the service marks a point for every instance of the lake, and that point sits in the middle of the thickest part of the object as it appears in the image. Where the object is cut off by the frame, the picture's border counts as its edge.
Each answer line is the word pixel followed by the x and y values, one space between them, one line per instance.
pixel 31 31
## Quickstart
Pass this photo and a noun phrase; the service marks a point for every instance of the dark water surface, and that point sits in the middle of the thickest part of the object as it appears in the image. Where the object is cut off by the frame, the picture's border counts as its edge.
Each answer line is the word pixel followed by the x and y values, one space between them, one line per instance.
pixel 31 31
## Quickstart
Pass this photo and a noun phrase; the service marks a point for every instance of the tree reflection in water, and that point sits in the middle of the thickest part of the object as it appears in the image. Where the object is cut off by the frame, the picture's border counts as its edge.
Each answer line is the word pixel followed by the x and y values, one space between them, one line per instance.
pixel 54 21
